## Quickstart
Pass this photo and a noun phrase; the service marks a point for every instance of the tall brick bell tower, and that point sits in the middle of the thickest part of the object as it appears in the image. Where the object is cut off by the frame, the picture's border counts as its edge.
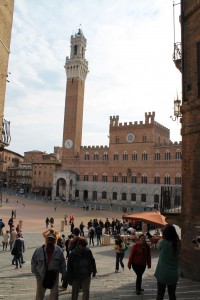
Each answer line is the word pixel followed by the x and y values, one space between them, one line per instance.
pixel 64 180
pixel 76 70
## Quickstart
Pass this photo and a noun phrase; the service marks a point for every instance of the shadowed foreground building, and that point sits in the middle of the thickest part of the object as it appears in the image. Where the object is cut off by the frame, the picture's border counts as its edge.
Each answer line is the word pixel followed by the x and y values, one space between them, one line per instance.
pixel 139 159
pixel 190 216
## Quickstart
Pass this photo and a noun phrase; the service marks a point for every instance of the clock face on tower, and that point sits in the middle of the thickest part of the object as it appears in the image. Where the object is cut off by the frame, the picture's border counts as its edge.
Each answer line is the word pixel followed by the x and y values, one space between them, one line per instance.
pixel 130 137
pixel 68 144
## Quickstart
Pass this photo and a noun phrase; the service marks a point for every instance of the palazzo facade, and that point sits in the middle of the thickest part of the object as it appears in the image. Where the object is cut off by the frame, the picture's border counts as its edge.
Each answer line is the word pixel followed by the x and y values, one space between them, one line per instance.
pixel 139 159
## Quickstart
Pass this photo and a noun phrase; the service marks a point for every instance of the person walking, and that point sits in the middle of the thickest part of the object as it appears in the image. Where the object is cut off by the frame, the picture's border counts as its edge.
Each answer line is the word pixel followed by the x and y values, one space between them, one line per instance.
pixel 98 234
pixel 167 268
pixel 5 241
pixel 72 226
pixel 51 220
pixel 13 235
pixel 47 221
pixel 91 234
pixel 20 249
pixel 11 223
pixel 81 226
pixel 140 256
pixel 80 266
pixel 2 225
pixel 48 257
pixel 120 248
pixel 67 244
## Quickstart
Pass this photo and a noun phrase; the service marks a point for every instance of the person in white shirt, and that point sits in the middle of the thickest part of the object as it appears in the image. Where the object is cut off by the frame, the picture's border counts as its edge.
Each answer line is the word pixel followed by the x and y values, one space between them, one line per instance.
pixel 5 241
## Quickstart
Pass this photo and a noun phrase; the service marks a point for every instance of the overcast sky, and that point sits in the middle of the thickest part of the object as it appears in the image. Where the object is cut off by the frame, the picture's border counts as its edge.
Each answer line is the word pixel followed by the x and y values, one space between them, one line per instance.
pixel 131 71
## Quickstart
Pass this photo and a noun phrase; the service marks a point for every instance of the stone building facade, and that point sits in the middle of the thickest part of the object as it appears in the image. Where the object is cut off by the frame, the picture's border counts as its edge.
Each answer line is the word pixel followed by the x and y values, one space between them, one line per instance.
pixel 6 19
pixel 9 160
pixel 34 172
pixel 139 159
pixel 190 216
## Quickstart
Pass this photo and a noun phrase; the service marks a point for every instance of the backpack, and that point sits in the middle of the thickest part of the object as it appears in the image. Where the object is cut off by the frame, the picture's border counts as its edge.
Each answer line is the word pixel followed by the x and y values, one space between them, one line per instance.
pixel 92 232
pixel 124 249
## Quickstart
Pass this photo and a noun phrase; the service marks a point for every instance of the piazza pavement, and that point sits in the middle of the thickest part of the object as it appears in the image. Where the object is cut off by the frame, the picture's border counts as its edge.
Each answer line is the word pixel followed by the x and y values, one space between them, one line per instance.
pixel 20 284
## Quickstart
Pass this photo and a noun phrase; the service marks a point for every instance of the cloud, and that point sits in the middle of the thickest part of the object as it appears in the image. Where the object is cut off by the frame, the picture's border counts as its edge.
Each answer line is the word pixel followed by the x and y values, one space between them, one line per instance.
pixel 129 50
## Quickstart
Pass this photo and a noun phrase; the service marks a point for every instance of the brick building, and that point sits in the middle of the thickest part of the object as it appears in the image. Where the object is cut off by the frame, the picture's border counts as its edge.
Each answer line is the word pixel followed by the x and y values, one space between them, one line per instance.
pixel 34 172
pixel 190 215
pixel 9 160
pixel 139 159
pixel 6 18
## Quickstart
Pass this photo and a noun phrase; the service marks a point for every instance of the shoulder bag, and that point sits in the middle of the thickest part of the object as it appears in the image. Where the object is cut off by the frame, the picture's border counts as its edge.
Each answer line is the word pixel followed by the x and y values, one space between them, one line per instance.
pixel 49 277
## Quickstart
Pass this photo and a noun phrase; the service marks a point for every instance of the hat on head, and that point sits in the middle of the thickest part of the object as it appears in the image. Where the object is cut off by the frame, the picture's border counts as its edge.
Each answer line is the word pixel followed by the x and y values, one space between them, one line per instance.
pixel 51 235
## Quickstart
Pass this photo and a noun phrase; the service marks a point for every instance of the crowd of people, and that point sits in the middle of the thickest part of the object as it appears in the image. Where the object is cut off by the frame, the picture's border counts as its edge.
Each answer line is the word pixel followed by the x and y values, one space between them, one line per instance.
pixel 70 255
pixel 13 241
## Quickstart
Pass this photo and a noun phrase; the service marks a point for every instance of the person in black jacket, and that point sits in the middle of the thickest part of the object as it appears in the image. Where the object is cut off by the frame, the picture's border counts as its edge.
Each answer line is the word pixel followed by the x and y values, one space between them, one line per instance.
pixel 80 266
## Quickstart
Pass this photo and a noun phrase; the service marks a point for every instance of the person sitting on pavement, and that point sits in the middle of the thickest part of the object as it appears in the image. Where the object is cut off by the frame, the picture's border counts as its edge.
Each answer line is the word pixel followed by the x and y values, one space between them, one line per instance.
pixel 48 257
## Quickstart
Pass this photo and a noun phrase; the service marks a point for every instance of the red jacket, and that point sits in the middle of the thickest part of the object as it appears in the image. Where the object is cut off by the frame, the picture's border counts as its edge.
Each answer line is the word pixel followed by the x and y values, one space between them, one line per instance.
pixel 140 255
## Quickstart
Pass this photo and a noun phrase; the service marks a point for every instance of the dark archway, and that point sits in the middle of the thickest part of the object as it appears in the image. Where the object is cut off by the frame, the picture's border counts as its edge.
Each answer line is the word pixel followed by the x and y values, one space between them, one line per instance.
pixel 61 188
pixel 123 196
pixel 114 195
pixel 85 195
pixel 94 195
pixel 133 197
pixel 104 195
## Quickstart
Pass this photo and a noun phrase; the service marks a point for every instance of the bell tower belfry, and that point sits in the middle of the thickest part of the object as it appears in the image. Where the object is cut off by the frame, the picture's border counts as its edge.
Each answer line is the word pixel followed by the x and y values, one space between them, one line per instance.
pixel 76 70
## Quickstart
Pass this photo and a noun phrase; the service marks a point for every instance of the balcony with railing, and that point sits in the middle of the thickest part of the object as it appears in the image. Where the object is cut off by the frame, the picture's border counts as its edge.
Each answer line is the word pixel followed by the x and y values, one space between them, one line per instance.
pixel 5 137
pixel 170 204
pixel 177 56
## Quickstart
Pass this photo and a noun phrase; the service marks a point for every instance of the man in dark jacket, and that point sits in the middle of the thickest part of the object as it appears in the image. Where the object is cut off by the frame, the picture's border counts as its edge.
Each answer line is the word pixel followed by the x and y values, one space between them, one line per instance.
pixel 80 266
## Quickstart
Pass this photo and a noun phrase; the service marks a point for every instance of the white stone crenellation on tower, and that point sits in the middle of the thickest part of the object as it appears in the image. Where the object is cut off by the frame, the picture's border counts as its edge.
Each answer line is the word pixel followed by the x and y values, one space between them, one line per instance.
pixel 77 66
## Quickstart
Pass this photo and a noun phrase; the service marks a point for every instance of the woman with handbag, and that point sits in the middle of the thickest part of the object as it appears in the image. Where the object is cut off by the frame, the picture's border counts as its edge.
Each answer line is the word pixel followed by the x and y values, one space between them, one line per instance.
pixel 140 256
pixel 47 261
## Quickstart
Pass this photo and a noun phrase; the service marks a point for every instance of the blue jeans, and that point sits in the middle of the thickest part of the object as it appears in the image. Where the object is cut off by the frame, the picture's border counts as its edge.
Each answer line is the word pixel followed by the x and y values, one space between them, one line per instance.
pixel 161 291
pixel 119 260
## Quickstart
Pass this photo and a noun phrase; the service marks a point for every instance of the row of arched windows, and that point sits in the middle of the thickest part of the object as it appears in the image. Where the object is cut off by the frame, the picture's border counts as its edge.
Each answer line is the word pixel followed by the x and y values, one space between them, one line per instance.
pixel 133 178
pixel 134 156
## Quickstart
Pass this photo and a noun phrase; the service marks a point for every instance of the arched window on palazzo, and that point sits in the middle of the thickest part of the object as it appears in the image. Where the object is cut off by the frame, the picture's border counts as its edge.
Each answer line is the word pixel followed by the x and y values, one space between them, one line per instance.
pixel 114 195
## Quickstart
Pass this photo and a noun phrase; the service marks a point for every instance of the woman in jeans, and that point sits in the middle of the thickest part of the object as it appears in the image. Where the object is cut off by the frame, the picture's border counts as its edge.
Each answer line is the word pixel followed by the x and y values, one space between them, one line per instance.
pixel 167 268
pixel 140 256
pixel 120 248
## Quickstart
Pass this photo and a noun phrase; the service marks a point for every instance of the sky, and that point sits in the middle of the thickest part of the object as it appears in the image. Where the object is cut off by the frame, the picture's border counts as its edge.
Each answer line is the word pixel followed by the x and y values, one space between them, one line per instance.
pixel 131 70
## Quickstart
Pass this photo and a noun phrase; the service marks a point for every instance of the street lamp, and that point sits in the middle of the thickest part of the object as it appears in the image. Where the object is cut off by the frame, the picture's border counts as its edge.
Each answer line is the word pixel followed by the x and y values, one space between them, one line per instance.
pixel 177 109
